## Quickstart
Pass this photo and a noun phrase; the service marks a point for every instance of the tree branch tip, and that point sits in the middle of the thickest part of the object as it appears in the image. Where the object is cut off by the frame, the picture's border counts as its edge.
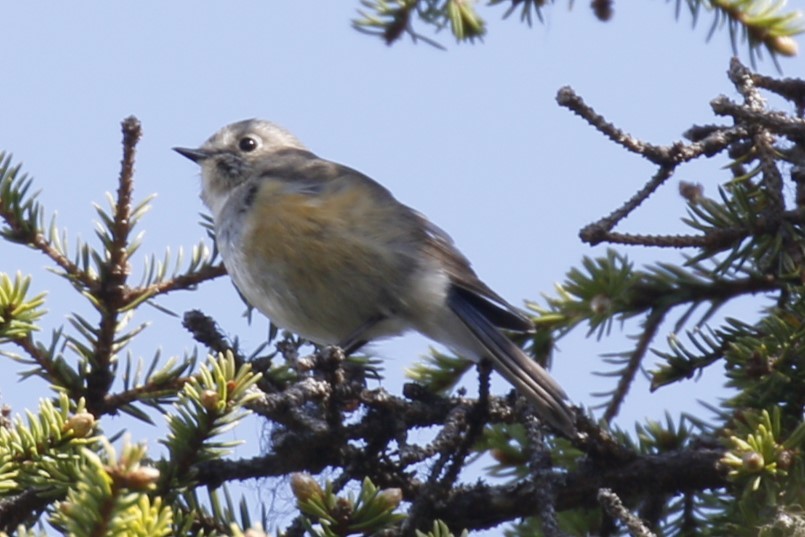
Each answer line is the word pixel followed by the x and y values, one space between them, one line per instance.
pixel 132 131
pixel 566 96
pixel 131 125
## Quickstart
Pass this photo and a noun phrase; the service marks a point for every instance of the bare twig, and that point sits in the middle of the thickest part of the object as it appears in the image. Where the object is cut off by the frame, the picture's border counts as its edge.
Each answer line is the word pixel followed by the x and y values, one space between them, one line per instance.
pixel 599 231
pixel 652 324
pixel 614 506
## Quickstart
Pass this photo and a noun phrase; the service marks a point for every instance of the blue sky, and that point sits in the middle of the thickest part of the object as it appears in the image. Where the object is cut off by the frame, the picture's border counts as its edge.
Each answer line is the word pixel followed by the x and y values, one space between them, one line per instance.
pixel 471 136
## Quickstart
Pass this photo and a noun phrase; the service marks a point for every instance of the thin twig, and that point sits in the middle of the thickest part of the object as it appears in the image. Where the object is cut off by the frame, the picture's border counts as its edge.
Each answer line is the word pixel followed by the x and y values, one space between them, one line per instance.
pixel 121 227
pixel 791 89
pixel 615 508
pixel 570 99
pixel 628 374
pixel 778 122
pixel 184 282
pixel 598 231
pixel 43 361
pixel 147 391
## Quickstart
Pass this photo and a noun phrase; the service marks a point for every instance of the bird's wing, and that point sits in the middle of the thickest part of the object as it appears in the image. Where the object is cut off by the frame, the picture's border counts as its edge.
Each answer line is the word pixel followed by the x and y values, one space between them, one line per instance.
pixel 494 307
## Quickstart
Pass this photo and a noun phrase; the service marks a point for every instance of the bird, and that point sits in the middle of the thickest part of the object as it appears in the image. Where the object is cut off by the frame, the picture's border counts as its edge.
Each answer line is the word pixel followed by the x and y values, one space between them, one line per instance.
pixel 330 254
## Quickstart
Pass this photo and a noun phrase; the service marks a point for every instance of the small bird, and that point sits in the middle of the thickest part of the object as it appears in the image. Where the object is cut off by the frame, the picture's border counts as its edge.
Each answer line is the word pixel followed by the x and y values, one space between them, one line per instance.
pixel 328 253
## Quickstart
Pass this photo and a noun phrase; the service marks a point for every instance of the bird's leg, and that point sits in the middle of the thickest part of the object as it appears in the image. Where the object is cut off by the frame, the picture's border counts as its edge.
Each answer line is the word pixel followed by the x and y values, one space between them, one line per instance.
pixel 484 378
pixel 356 339
pixel 351 345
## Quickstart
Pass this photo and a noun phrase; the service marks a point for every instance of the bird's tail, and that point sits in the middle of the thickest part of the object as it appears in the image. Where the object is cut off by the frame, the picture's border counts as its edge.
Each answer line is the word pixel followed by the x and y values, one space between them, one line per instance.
pixel 515 366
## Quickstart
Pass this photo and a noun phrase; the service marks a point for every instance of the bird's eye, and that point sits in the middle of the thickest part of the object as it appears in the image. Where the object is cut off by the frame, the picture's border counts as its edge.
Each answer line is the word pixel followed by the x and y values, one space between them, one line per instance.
pixel 247 144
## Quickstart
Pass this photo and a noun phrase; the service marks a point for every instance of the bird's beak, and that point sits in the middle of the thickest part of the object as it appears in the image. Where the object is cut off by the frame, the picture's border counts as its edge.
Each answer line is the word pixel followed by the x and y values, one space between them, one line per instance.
pixel 196 155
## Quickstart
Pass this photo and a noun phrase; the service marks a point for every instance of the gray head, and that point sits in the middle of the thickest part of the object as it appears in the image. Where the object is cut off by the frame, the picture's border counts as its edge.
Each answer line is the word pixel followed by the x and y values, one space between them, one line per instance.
pixel 231 155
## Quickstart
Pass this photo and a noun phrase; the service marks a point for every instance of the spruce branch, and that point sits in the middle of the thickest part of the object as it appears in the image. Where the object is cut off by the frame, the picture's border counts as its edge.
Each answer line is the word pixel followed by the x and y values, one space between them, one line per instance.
pixel 22 215
pixel 43 455
pixel 153 392
pixel 748 117
pixel 100 277
pixel 121 227
pixel 327 515
pixel 762 24
pixel 114 270
pixel 47 363
pixel 18 312
pixel 111 497
pixel 483 506
pixel 211 402
pixel 157 281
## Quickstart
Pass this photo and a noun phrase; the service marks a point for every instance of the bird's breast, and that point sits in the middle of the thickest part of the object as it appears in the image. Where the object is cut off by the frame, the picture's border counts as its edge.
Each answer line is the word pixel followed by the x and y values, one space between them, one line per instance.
pixel 321 266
